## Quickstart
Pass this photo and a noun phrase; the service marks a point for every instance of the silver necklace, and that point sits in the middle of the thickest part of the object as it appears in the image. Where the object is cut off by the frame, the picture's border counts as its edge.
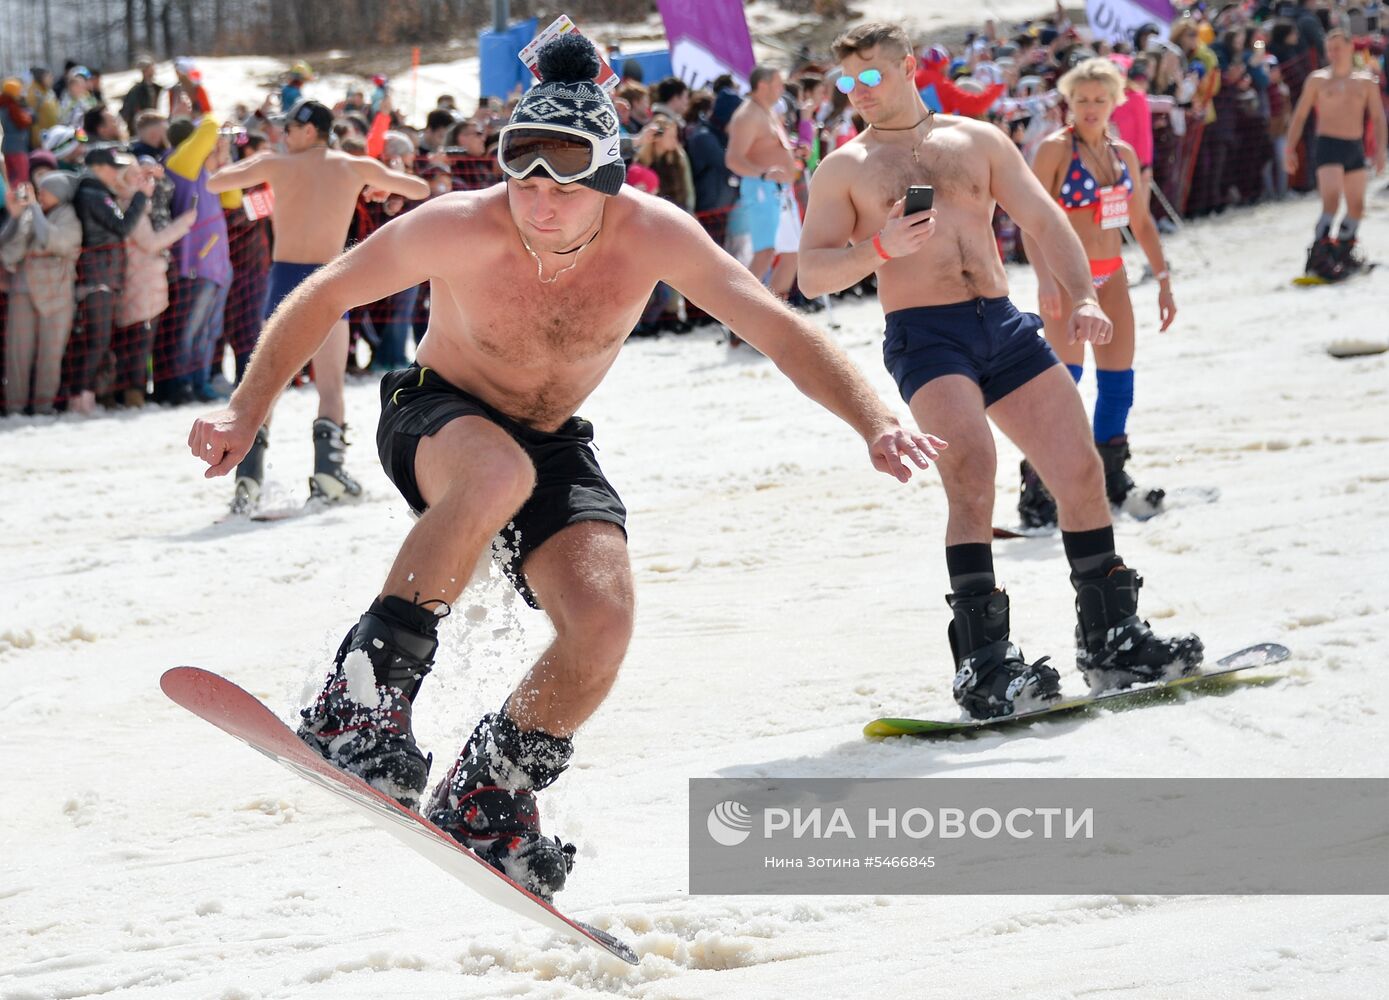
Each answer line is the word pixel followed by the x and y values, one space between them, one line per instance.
pixel 540 267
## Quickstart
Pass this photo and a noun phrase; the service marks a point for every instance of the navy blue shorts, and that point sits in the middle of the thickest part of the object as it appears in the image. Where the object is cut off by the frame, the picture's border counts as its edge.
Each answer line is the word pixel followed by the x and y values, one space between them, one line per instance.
pixel 285 277
pixel 986 340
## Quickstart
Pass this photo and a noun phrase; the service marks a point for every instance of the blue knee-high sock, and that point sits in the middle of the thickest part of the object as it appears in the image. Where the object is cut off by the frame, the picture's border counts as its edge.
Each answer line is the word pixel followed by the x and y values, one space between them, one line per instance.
pixel 1076 372
pixel 1113 403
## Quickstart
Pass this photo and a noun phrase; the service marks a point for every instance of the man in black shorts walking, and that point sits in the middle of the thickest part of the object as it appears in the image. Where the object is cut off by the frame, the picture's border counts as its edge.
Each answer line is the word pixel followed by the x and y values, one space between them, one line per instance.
pixel 959 349
pixel 535 284
pixel 1342 98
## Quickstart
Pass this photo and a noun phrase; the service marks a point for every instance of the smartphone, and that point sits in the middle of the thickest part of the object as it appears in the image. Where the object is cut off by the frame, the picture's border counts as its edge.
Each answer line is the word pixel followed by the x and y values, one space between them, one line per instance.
pixel 920 198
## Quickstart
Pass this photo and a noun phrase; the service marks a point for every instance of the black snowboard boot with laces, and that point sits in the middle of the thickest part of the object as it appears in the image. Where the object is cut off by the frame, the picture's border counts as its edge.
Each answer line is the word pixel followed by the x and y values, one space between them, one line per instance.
pixel 487 802
pixel 1036 505
pixel 992 679
pixel 1114 647
pixel 360 721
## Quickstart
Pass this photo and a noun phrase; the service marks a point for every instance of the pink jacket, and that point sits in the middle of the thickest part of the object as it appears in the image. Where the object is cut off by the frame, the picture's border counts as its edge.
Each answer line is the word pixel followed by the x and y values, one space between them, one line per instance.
pixel 1134 123
pixel 146 292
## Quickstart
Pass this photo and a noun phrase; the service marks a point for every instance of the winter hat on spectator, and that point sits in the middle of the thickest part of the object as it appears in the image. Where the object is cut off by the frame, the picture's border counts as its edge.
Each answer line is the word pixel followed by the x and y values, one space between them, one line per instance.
pixel 568 99
pixel 936 55
pixel 60 140
pixel 13 87
pixel 81 71
pixel 60 185
pixel 184 66
pixel 42 158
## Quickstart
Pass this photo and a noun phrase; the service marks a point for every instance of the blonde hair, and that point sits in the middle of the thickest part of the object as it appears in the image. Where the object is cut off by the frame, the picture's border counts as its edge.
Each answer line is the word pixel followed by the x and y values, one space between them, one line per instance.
pixel 1093 71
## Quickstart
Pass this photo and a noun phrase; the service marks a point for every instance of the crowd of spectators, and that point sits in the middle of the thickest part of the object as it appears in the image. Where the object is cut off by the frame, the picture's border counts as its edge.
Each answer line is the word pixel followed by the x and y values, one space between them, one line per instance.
pixel 125 280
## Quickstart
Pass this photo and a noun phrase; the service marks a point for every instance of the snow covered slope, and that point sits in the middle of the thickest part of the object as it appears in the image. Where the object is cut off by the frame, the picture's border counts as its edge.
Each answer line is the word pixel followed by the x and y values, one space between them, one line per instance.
pixel 786 594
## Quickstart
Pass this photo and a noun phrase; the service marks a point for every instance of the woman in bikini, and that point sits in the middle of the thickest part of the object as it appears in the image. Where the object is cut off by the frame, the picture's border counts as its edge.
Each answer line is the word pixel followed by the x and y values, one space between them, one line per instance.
pixel 1097 180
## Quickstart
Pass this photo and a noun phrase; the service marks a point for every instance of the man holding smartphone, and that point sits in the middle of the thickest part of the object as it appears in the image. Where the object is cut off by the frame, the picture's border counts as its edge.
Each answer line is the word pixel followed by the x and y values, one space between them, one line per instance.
pixel 959 350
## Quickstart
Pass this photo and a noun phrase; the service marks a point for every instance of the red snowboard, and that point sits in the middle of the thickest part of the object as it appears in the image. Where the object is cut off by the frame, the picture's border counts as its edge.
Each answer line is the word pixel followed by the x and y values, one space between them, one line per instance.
pixel 240 714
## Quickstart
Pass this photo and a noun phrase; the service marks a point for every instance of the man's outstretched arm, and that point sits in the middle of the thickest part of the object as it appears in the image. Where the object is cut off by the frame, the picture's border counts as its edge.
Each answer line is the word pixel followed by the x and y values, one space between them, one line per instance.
pixel 722 287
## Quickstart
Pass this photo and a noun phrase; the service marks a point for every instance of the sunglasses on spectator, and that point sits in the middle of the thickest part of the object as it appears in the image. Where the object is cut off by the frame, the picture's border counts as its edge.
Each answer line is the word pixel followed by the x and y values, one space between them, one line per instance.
pixel 566 155
pixel 869 78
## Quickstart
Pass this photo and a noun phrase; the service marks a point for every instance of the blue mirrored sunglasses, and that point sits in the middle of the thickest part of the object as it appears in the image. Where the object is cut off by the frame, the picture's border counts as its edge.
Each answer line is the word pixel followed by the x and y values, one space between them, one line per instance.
pixel 869 78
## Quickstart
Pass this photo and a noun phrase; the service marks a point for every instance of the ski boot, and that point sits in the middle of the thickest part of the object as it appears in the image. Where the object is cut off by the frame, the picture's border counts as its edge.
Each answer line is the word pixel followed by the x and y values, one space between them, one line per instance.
pixel 1036 505
pixel 330 482
pixel 1323 260
pixel 1114 647
pixel 1118 484
pixel 487 802
pixel 992 679
pixel 250 474
pixel 360 722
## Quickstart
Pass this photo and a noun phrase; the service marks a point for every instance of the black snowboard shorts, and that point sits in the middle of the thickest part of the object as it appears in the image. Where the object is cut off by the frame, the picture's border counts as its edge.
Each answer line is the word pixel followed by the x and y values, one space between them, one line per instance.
pixel 569 485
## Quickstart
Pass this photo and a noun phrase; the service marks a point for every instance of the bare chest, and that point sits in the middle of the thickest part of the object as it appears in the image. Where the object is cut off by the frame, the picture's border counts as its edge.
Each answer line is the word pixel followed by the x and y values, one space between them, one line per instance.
pixel 513 317
pixel 1341 102
pixel 937 162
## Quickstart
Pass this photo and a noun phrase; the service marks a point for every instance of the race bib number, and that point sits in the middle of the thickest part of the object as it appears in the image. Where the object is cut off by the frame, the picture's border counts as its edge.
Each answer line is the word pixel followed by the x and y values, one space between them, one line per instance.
pixel 259 203
pixel 1114 207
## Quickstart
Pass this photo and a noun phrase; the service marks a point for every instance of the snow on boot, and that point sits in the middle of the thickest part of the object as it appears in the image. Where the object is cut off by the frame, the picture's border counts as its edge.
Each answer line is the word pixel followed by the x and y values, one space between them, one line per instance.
pixel 1117 649
pixel 330 482
pixel 992 679
pixel 487 802
pixel 1036 506
pixel 250 474
pixel 360 721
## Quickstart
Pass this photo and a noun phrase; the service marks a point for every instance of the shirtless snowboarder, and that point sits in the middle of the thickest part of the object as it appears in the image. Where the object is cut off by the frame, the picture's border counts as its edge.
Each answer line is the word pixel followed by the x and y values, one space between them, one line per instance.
pixel 1341 98
pixel 316 191
pixel 961 354
pixel 535 284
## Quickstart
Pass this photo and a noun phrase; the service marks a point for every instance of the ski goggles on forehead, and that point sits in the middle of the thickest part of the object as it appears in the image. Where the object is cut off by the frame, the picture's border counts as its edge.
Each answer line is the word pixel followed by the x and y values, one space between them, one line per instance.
pixel 565 154
pixel 869 78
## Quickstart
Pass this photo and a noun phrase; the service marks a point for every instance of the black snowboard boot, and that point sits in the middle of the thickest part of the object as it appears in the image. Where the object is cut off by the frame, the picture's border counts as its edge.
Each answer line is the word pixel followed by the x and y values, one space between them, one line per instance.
pixel 1348 260
pixel 1118 484
pixel 992 679
pixel 1036 505
pixel 360 722
pixel 250 474
pixel 1114 647
pixel 330 482
pixel 487 802
pixel 1323 260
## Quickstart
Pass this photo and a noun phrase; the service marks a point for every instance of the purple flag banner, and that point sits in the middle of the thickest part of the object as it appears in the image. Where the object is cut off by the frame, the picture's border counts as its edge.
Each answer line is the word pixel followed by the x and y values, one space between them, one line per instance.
pixel 707 38
pixel 1115 20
